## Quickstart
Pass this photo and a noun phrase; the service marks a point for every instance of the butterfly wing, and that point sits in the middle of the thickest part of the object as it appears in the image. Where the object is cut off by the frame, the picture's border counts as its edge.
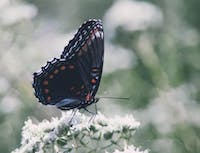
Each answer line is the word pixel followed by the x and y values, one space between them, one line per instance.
pixel 66 82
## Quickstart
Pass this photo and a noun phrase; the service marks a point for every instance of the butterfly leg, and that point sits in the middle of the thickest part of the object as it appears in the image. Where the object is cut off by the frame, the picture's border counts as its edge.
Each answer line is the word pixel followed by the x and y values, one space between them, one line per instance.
pixel 95 105
pixel 73 114
pixel 93 113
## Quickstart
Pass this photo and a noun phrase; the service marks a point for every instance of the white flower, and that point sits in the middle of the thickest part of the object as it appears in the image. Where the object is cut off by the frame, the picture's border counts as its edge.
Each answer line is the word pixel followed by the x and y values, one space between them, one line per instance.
pixel 9 104
pixel 132 15
pixel 127 58
pixel 74 131
pixel 172 105
pixel 11 14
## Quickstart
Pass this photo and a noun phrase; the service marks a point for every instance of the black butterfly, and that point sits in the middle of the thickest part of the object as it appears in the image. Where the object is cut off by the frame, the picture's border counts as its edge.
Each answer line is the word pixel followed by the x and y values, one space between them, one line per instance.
pixel 73 80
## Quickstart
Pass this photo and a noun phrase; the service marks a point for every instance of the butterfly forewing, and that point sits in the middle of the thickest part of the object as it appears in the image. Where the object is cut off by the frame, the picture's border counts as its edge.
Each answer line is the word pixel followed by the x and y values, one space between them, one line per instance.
pixel 89 56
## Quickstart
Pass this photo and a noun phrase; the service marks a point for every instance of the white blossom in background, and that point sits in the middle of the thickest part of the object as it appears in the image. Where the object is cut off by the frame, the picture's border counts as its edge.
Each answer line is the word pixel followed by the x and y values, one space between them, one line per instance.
pixel 5 84
pixel 9 104
pixel 4 3
pixel 79 134
pixel 174 106
pixel 118 58
pixel 11 13
pixel 132 15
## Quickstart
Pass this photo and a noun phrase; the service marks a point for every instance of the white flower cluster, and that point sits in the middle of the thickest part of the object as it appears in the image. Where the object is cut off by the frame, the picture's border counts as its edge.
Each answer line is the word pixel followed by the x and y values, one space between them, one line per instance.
pixel 78 134
pixel 137 15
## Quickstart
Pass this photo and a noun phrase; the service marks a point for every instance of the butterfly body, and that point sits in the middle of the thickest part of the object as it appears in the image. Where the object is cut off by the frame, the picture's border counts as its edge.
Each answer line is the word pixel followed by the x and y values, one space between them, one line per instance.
pixel 72 80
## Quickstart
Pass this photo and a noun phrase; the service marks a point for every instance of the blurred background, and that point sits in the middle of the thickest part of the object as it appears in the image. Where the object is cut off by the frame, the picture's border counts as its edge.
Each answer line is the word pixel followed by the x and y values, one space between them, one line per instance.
pixel 152 55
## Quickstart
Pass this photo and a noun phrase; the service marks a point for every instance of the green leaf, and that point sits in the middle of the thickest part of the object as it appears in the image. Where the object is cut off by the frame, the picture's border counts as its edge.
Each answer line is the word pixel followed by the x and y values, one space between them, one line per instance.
pixel 102 124
pixel 108 135
pixel 61 141
pixel 93 129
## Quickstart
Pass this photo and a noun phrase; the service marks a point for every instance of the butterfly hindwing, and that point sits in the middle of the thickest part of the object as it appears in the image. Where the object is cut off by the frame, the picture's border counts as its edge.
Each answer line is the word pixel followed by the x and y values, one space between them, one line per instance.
pixel 58 80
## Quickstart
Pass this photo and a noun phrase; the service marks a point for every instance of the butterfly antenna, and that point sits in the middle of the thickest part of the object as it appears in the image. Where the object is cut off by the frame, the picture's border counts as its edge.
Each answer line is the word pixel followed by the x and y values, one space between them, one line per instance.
pixel 120 98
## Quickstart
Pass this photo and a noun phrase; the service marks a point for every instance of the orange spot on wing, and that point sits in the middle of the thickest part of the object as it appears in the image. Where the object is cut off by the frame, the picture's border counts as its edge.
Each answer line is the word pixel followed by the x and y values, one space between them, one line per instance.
pixel 88 97
pixel 93 81
pixel 63 67
pixel 46 91
pixel 45 82
pixel 94 69
pixel 56 71
pixel 71 66
pixel 51 76
pixel 48 98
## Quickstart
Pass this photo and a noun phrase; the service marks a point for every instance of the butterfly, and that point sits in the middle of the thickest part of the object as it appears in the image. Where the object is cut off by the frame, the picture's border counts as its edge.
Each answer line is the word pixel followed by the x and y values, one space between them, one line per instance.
pixel 72 80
